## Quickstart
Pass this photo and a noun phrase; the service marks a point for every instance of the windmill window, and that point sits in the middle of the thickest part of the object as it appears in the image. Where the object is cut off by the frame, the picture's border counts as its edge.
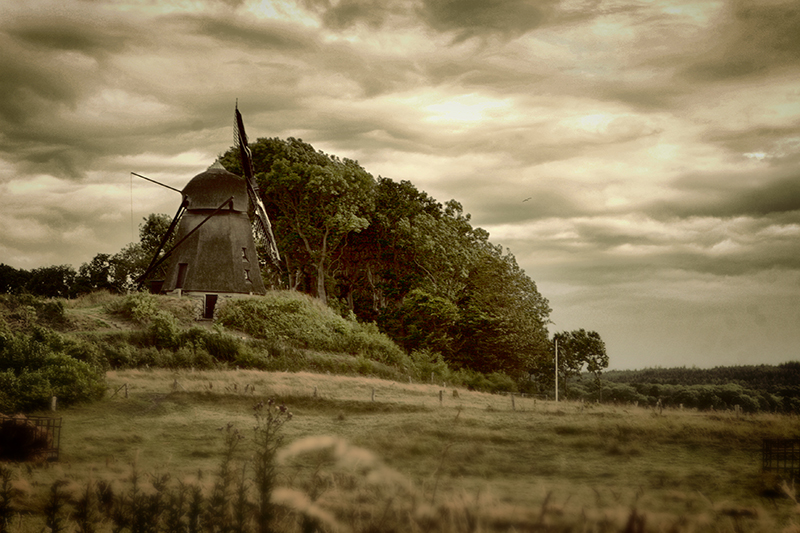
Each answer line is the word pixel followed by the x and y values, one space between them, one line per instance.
pixel 182 267
pixel 247 275
pixel 244 255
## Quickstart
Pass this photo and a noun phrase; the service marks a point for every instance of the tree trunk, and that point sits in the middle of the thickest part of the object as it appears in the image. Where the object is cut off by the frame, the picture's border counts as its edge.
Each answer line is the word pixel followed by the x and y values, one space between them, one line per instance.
pixel 321 294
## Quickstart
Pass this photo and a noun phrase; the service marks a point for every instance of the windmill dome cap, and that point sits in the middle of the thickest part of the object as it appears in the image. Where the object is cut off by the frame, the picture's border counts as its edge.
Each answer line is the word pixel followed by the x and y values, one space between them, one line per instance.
pixel 209 189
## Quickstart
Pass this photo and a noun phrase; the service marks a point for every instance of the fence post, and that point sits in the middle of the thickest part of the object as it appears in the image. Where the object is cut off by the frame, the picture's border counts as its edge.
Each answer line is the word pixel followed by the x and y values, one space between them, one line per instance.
pixel 53 402
pixel 513 403
pixel 373 394
pixel 126 391
pixel 441 397
pixel 315 392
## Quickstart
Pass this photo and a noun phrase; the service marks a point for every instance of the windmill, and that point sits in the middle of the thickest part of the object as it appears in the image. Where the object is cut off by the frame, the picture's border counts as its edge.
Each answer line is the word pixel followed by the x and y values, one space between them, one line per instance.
pixel 215 241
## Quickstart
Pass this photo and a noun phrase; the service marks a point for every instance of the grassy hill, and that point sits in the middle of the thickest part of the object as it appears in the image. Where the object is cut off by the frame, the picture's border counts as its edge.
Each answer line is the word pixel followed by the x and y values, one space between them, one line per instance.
pixel 365 453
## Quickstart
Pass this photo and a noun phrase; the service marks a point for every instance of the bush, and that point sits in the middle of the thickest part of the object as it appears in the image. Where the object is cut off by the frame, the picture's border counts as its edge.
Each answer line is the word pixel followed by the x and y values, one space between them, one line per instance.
pixel 303 322
pixel 73 381
pixel 499 382
pixel 164 330
pixel 9 388
pixel 34 367
pixel 138 307
pixel 33 391
pixel 425 363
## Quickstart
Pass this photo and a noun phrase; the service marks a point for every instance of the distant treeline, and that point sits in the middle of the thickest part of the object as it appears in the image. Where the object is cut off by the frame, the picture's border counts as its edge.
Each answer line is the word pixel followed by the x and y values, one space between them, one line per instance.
pixel 752 387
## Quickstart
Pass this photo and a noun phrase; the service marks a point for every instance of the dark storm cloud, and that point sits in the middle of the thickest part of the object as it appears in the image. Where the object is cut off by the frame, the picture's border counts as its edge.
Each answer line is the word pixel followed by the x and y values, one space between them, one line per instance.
pixel 755 195
pixel 348 13
pixel 756 37
pixel 470 18
pixel 96 38
pixel 267 36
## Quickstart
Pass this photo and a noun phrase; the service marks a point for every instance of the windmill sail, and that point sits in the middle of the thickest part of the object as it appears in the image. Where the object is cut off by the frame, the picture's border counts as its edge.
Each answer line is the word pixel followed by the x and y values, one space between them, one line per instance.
pixel 261 225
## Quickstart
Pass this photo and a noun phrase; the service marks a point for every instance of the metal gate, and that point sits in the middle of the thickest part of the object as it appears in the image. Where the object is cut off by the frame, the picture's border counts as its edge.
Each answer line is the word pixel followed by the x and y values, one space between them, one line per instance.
pixel 27 438
pixel 782 457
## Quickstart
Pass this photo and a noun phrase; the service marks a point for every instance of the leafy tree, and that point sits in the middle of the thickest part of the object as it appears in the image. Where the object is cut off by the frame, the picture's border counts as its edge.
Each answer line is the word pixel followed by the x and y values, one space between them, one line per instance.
pixel 316 200
pixel 381 264
pixel 503 326
pixel 130 263
pixel 12 280
pixel 429 323
pixel 98 274
pixel 52 281
pixel 580 349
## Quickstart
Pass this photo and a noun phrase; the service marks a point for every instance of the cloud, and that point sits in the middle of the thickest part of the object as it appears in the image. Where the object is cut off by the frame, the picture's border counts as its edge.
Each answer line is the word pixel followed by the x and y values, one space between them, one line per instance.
pixel 470 18
pixel 754 37
pixel 750 194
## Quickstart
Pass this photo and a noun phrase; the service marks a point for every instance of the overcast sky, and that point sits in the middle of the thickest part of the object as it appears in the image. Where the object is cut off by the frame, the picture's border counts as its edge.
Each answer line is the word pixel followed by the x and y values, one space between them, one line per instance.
pixel 639 158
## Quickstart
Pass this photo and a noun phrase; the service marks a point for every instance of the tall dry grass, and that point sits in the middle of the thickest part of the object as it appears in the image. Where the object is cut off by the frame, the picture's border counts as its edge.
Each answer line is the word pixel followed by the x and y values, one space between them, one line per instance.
pixel 362 454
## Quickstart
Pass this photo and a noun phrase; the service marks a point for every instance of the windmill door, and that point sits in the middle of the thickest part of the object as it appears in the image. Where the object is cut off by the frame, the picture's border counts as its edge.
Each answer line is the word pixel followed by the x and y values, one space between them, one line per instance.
pixel 210 304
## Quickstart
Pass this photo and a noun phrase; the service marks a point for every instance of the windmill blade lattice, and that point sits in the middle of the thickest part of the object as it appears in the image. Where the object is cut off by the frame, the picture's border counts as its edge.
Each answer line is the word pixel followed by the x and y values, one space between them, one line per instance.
pixel 262 228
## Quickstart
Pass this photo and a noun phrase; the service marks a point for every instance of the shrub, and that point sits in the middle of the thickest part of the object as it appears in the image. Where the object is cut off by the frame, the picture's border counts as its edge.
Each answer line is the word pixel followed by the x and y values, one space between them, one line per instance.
pixel 34 367
pixel 164 330
pixel 33 391
pixel 221 346
pixel 425 363
pixel 73 381
pixel 138 307
pixel 499 382
pixel 303 322
pixel 9 388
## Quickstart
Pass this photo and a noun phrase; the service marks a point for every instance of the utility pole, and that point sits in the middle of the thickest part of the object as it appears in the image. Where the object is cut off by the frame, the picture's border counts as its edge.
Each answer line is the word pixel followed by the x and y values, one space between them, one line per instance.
pixel 556 339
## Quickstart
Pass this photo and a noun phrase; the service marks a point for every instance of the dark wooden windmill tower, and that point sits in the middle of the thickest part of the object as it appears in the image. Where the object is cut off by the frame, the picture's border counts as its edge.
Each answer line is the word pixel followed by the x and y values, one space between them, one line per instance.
pixel 214 254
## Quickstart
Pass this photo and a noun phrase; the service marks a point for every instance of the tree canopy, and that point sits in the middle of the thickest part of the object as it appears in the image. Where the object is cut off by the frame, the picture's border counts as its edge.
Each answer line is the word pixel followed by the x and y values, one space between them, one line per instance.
pixel 389 253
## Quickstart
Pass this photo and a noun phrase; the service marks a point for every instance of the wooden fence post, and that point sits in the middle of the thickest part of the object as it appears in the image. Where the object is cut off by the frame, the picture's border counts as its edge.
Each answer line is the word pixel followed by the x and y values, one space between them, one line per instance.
pixel 53 402
pixel 373 394
pixel 441 397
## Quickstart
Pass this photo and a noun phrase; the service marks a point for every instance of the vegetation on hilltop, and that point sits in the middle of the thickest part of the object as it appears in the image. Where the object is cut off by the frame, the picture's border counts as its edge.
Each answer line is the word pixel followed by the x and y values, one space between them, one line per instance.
pixel 375 250
pixel 63 347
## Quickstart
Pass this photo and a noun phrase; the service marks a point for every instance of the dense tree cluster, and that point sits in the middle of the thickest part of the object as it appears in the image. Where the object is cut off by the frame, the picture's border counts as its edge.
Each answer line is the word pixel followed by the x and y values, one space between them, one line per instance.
pixel 389 253
pixel 752 387
pixel 116 273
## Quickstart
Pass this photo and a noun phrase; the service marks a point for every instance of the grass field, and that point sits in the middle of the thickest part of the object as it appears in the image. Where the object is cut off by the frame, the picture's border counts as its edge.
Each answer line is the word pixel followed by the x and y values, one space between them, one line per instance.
pixel 376 453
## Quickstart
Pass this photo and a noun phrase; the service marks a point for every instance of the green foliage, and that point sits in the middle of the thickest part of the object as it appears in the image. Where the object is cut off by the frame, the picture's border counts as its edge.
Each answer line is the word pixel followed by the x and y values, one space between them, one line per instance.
pixel 138 307
pixel 36 366
pixel 752 388
pixel 164 331
pixel 26 310
pixel 426 363
pixel 303 322
pixel 577 350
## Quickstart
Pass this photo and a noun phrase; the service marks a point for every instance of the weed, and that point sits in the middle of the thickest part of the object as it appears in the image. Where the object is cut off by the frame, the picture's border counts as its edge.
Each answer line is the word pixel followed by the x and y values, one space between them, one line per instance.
pixel 55 508
pixel 7 494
